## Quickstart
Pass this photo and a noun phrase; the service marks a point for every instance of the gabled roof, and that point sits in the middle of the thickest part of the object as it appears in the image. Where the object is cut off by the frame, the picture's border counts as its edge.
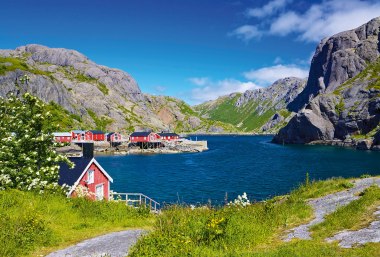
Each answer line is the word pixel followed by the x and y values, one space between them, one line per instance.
pixel 140 134
pixel 164 134
pixel 96 132
pixel 72 177
pixel 62 134
pixel 78 131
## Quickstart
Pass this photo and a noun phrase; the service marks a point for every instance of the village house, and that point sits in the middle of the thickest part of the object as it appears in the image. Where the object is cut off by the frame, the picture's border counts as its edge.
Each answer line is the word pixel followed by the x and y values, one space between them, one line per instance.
pixel 94 135
pixel 143 137
pixel 78 135
pixel 87 175
pixel 114 137
pixel 62 137
pixel 168 136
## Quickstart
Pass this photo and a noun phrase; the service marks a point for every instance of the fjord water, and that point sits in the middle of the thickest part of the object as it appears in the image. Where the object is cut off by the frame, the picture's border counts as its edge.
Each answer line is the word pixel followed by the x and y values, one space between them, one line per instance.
pixel 234 164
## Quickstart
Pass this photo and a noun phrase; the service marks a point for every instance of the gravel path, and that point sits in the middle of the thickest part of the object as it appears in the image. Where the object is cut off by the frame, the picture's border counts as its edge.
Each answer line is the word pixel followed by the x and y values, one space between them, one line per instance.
pixel 371 234
pixel 325 205
pixel 115 244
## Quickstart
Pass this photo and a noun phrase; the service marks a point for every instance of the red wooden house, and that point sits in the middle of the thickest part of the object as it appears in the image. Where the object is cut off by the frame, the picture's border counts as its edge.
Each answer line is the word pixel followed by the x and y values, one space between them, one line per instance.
pixel 168 136
pixel 78 135
pixel 62 137
pixel 87 174
pixel 143 137
pixel 114 137
pixel 94 135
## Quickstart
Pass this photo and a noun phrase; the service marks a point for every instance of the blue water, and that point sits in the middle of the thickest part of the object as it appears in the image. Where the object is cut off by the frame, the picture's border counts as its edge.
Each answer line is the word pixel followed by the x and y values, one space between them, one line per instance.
pixel 234 164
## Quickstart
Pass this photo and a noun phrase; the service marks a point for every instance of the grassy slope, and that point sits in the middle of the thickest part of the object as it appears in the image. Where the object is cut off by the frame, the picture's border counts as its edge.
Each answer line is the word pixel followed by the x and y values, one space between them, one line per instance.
pixel 257 230
pixel 245 118
pixel 37 224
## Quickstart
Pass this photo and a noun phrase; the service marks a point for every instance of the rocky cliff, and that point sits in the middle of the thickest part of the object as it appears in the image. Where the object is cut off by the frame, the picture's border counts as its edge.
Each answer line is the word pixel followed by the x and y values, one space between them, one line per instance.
pixel 94 96
pixel 341 100
pixel 261 110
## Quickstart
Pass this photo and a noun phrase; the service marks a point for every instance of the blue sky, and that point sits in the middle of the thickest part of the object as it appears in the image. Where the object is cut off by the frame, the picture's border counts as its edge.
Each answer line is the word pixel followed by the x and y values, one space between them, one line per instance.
pixel 195 50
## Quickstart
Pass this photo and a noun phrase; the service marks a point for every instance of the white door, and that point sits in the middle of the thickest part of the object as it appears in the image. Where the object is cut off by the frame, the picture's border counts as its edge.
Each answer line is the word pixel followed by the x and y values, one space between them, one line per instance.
pixel 99 192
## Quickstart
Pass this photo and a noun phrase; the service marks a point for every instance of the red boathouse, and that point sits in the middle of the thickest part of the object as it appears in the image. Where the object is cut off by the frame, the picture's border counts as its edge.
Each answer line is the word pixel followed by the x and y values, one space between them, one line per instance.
pixel 168 136
pixel 143 137
pixel 62 137
pixel 94 135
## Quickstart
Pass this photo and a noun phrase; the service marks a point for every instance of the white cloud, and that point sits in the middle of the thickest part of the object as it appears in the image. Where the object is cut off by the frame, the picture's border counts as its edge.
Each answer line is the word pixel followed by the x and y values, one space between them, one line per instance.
pixel 268 9
pixel 268 75
pixel 246 32
pixel 325 19
pixel 214 89
pixel 160 89
pixel 199 81
pixel 315 23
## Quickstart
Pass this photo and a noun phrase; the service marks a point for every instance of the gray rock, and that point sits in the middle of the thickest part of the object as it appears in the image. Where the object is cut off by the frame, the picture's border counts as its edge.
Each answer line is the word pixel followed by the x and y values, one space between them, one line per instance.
pixel 365 144
pixel 336 114
pixel 339 58
pixel 376 139
pixel 276 119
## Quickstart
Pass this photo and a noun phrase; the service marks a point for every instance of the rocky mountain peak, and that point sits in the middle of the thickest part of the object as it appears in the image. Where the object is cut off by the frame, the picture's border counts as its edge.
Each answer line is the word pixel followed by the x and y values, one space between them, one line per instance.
pixel 339 58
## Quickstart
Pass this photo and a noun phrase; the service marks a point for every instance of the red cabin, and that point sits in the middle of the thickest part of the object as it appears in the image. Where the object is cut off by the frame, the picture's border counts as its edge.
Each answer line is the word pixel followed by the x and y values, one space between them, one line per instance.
pixel 143 137
pixel 114 137
pixel 62 137
pixel 168 136
pixel 87 178
pixel 78 135
pixel 94 135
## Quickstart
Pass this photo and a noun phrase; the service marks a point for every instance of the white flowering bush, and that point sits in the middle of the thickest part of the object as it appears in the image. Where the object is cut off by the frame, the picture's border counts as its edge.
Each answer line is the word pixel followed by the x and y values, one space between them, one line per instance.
pixel 84 192
pixel 241 201
pixel 27 158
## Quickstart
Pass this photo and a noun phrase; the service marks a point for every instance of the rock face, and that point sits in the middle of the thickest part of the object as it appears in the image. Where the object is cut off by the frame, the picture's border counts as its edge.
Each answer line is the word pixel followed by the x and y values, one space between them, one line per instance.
pixel 92 92
pixel 342 96
pixel 339 58
pixel 261 110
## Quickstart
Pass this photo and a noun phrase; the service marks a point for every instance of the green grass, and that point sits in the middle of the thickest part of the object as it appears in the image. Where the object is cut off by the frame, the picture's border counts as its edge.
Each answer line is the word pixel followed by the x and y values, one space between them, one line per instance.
pixel 62 118
pixel 83 78
pixel 101 122
pixel 257 229
pixel 8 64
pixel 350 216
pixel 32 224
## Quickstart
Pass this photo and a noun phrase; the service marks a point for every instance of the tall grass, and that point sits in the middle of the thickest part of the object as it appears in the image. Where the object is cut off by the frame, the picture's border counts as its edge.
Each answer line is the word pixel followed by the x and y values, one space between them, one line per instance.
pixel 32 223
pixel 255 230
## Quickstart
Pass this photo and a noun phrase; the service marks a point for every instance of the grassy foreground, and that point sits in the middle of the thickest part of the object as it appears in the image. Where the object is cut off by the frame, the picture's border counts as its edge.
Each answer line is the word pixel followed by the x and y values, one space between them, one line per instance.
pixel 34 225
pixel 256 230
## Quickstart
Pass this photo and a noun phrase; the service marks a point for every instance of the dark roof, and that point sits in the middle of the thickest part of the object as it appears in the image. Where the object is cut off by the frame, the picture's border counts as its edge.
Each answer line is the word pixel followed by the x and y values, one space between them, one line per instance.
pixel 140 134
pixel 70 176
pixel 96 131
pixel 164 134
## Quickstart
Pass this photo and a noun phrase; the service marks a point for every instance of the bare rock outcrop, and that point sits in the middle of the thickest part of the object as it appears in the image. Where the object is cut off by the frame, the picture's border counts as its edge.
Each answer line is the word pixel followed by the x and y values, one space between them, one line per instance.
pixel 341 97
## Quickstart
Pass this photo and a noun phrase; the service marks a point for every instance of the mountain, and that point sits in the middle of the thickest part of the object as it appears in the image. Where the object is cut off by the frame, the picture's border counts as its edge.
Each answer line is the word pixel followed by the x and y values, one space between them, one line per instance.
pixel 81 93
pixel 341 100
pixel 260 110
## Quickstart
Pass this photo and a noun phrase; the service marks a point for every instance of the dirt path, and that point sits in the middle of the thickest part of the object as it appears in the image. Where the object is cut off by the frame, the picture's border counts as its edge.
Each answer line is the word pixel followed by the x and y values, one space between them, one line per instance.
pixel 325 205
pixel 115 244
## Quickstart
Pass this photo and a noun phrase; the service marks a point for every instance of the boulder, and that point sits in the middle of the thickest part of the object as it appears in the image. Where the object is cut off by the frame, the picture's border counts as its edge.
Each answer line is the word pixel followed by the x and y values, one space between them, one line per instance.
pixel 364 144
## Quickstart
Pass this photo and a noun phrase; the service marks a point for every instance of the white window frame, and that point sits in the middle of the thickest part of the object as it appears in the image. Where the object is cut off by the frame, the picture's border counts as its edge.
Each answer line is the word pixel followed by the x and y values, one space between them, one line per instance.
pixel 99 197
pixel 90 177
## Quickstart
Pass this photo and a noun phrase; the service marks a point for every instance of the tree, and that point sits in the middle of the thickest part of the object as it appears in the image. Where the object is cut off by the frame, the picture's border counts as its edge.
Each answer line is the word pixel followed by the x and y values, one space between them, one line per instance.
pixel 27 158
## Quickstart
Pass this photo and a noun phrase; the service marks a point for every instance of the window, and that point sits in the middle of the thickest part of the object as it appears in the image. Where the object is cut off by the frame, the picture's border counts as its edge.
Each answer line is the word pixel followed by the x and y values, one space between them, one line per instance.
pixel 99 192
pixel 90 177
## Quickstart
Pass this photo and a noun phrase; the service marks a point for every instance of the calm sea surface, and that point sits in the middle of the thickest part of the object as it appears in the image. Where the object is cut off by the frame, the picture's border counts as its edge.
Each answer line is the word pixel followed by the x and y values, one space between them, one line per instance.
pixel 234 164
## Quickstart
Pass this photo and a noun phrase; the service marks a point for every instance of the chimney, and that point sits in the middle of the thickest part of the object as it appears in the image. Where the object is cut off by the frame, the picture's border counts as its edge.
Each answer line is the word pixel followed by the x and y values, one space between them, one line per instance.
pixel 88 150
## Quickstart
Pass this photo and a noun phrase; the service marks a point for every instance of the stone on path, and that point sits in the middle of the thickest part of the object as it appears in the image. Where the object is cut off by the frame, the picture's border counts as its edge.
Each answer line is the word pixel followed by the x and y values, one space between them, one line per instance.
pixel 115 244
pixel 370 234
pixel 328 204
